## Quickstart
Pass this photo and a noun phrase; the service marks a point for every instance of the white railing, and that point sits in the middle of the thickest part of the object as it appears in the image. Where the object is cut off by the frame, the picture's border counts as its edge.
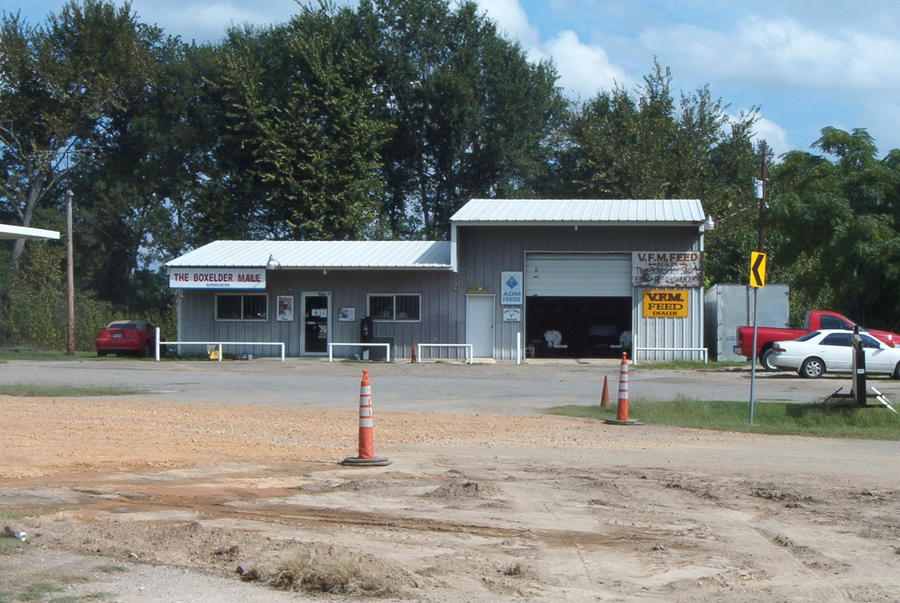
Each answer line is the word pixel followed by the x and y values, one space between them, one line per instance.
pixel 467 346
pixel 637 349
pixel 219 344
pixel 386 346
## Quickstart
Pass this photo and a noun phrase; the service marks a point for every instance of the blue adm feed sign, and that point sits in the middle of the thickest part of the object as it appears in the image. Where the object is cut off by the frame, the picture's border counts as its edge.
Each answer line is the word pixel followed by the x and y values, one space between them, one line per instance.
pixel 511 291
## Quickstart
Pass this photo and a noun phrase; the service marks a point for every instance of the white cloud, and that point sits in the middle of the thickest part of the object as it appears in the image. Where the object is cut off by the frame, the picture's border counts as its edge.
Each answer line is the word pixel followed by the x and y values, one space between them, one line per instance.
pixel 782 53
pixel 584 69
pixel 203 20
pixel 776 136
pixel 511 20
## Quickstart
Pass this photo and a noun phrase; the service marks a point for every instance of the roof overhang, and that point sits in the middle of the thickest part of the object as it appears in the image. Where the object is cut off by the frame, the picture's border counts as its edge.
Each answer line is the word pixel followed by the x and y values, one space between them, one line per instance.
pixel 605 224
pixel 8 231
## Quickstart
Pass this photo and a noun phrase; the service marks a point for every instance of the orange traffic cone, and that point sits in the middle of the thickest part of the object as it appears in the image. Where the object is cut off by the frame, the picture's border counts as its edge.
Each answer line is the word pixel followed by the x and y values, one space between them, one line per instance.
pixel 366 456
pixel 622 405
pixel 604 397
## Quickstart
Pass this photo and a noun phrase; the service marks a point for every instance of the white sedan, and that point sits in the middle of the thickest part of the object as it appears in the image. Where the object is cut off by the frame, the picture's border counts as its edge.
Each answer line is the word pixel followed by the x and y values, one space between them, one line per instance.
pixel 830 350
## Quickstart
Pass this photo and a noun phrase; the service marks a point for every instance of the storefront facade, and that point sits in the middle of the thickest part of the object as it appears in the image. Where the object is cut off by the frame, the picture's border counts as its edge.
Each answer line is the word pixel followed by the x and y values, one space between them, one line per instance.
pixel 605 275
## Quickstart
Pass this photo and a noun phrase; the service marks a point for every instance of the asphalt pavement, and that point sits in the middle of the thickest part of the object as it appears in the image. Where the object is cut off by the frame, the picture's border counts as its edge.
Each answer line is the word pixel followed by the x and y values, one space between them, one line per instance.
pixel 501 388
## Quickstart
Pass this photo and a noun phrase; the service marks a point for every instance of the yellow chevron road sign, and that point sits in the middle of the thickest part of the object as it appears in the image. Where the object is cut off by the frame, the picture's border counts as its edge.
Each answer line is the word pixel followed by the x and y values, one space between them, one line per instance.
pixel 757 269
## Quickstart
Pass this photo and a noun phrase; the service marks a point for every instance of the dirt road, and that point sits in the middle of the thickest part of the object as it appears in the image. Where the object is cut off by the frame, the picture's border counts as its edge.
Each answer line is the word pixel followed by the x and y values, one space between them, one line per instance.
pixel 162 501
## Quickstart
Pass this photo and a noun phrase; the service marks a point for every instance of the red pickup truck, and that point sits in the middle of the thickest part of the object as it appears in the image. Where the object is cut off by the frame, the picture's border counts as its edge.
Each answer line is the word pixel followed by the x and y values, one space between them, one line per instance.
pixel 815 320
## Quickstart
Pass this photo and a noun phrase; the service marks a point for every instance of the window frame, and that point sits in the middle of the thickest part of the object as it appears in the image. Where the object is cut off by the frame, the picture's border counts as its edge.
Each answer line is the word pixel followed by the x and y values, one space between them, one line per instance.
pixel 243 318
pixel 393 297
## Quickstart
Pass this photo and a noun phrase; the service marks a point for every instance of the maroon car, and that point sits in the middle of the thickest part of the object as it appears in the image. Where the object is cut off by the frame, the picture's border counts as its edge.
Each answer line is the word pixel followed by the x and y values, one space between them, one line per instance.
pixel 126 337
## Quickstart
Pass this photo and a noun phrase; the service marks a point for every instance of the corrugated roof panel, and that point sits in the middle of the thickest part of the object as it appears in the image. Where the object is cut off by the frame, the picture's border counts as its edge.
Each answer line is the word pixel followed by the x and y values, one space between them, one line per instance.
pixel 321 254
pixel 580 210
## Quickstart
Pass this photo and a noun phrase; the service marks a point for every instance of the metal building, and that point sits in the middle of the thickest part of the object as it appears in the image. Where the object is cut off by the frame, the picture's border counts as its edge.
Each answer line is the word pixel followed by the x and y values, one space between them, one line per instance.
pixel 579 278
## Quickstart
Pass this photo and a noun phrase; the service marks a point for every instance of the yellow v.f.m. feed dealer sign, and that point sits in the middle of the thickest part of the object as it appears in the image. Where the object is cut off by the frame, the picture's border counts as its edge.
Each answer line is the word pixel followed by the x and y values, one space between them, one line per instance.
pixel 666 303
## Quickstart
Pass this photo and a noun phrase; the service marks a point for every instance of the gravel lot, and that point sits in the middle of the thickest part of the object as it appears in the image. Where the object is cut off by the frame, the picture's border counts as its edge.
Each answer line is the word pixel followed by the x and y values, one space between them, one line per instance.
pixel 161 497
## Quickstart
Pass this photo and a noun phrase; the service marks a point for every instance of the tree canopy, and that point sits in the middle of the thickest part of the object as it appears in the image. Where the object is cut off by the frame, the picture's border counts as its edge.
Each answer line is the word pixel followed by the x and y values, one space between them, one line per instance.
pixel 839 213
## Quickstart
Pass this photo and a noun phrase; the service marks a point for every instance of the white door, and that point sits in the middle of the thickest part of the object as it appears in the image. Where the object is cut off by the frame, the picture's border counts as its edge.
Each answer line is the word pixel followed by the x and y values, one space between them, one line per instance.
pixel 316 323
pixel 480 325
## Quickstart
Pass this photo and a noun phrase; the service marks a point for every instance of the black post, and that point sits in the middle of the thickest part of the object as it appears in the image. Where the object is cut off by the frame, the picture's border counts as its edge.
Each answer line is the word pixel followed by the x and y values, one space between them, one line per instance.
pixel 859 368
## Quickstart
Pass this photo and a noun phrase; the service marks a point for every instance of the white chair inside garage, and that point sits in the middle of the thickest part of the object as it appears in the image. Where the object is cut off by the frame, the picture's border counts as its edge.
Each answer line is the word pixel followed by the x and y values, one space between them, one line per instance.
pixel 554 341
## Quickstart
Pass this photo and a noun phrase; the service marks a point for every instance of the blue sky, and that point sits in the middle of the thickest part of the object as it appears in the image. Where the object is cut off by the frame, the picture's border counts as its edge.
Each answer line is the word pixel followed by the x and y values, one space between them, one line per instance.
pixel 806 64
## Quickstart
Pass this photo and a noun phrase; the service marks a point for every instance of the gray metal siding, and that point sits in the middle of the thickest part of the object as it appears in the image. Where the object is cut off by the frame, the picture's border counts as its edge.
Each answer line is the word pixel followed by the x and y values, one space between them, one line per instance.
pixel 486 251
pixel 668 332
pixel 347 288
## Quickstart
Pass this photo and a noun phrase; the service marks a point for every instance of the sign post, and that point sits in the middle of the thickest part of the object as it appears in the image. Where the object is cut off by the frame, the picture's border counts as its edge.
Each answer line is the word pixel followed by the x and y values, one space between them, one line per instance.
pixel 757 281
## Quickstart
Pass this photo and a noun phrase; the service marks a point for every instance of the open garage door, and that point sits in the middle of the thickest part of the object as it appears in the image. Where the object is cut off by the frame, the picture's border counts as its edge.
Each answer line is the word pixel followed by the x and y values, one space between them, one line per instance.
pixel 578 274
pixel 585 297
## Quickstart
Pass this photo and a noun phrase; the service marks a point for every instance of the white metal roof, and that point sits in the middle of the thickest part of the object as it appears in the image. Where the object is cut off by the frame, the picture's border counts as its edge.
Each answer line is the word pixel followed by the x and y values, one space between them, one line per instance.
pixel 400 255
pixel 8 231
pixel 581 211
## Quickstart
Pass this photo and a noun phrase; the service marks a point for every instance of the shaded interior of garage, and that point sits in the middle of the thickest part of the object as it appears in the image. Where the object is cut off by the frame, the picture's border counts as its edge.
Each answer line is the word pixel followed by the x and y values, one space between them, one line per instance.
pixel 589 327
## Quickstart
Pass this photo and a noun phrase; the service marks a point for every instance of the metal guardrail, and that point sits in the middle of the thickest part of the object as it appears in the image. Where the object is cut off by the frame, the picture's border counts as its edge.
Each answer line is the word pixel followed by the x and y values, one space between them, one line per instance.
pixel 219 344
pixel 387 346
pixel 637 349
pixel 467 346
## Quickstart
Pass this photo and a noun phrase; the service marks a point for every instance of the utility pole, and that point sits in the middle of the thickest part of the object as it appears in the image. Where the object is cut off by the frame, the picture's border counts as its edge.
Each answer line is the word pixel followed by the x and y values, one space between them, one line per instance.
pixel 70 278
pixel 761 190
pixel 762 193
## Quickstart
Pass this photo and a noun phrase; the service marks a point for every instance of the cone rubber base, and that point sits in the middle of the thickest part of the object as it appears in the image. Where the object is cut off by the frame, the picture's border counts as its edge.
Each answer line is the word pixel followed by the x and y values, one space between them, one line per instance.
pixel 375 461
pixel 625 422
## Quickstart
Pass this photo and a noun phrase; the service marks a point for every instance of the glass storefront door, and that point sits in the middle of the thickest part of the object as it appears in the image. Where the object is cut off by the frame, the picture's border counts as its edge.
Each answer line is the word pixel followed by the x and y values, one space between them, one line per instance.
pixel 316 322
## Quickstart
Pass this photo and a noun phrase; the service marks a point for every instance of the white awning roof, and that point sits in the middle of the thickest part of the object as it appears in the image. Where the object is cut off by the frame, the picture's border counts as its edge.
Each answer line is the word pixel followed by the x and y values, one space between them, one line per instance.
pixel 580 211
pixel 8 231
pixel 333 255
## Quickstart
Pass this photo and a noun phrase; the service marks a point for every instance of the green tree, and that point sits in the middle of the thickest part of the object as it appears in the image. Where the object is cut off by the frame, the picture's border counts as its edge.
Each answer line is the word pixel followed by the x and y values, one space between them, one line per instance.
pixel 645 145
pixel 839 217
pixel 134 191
pixel 471 115
pixel 58 79
pixel 301 128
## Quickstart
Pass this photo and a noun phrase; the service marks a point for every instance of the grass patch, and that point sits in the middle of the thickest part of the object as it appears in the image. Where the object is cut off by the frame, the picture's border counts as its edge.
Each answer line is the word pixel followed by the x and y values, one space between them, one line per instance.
pixel 35 354
pixel 81 598
pixel 822 420
pixel 39 591
pixel 51 391
pixel 329 573
pixel 10 546
pixel 111 569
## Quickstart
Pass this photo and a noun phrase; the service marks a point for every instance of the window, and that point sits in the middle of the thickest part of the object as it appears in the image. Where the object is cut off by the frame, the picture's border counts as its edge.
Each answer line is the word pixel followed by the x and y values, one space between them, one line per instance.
pixel 235 306
pixel 842 339
pixel 833 322
pixel 870 342
pixel 395 307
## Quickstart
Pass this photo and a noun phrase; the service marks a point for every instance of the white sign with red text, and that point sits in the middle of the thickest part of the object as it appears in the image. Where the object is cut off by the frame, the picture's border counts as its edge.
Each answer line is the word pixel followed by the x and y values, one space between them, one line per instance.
pixel 217 278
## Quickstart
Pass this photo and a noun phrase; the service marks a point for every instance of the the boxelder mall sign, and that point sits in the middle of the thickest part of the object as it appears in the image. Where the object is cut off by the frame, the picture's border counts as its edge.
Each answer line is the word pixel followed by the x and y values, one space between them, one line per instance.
pixel 217 278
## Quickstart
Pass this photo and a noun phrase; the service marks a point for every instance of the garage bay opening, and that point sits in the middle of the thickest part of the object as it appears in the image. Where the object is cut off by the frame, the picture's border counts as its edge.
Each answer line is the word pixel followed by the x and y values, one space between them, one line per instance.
pixel 578 327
